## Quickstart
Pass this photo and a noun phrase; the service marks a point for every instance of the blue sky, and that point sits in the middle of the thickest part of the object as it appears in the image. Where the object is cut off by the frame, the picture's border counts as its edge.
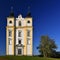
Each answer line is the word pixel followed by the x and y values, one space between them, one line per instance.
pixel 46 19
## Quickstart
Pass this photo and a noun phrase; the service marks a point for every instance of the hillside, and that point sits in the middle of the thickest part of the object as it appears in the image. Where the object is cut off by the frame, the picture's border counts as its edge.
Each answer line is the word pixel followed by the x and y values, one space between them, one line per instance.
pixel 25 58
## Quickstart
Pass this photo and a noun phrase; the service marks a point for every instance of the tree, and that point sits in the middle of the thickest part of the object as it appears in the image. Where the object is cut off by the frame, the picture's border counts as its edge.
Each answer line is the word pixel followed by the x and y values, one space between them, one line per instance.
pixel 47 46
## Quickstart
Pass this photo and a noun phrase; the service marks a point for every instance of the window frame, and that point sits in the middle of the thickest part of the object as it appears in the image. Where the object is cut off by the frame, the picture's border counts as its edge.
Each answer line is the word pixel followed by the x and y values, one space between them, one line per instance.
pixel 19 33
pixel 10 33
pixel 19 23
pixel 28 33
pixel 19 41
pixel 28 41
pixel 9 41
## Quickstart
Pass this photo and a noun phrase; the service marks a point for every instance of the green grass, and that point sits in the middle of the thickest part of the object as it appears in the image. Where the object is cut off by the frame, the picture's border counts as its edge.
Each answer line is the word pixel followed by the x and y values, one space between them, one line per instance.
pixel 25 58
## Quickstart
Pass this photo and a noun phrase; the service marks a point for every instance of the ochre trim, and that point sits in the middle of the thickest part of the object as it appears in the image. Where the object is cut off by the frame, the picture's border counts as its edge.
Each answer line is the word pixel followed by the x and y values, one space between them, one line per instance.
pixel 7 52
pixel 19 27
pixel 25 42
pixel 10 26
pixel 24 27
pixel 13 40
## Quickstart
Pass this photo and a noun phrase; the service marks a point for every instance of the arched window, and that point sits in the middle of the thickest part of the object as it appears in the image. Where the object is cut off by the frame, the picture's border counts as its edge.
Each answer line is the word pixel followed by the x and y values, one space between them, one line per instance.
pixel 9 41
pixel 28 32
pixel 19 41
pixel 9 33
pixel 19 23
pixel 19 33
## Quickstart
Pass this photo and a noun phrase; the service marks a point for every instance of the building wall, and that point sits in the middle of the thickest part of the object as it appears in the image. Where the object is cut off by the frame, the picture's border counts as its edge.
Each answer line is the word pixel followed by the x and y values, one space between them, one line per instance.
pixel 28 19
pixel 30 46
pixel 10 19
pixel 10 26
pixel 22 35
pixel 23 22
pixel 29 27
pixel 10 48
pixel 27 50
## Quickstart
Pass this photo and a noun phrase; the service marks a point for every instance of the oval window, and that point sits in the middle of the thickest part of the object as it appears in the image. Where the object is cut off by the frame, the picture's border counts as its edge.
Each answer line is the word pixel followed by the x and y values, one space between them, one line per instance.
pixel 28 21
pixel 10 21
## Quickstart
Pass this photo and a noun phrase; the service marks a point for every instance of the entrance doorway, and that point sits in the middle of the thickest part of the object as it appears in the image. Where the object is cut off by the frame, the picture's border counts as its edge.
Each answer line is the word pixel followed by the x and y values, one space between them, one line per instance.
pixel 19 51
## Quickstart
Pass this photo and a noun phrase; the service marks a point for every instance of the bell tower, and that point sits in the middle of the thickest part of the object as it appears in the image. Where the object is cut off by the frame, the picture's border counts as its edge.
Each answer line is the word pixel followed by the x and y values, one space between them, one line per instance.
pixel 28 49
pixel 10 34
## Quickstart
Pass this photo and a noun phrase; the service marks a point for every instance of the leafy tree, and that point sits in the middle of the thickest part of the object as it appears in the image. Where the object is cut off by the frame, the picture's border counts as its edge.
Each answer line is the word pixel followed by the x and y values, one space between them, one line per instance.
pixel 47 46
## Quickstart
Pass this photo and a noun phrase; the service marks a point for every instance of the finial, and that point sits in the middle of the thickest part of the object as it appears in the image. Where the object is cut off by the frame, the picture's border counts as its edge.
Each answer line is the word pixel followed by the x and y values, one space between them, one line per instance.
pixel 11 13
pixel 29 13
pixel 28 8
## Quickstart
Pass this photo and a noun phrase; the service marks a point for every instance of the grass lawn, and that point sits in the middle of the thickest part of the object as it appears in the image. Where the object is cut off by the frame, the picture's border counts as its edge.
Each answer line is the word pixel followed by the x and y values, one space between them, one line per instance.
pixel 25 58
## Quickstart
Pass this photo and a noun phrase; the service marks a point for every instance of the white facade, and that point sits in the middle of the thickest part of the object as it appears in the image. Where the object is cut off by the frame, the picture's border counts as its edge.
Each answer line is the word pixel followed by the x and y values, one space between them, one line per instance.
pixel 10 49
pixel 21 36
pixel 23 22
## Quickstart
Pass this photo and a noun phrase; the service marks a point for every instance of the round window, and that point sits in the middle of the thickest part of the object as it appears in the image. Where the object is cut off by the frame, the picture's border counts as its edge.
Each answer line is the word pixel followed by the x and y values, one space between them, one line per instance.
pixel 28 21
pixel 10 21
